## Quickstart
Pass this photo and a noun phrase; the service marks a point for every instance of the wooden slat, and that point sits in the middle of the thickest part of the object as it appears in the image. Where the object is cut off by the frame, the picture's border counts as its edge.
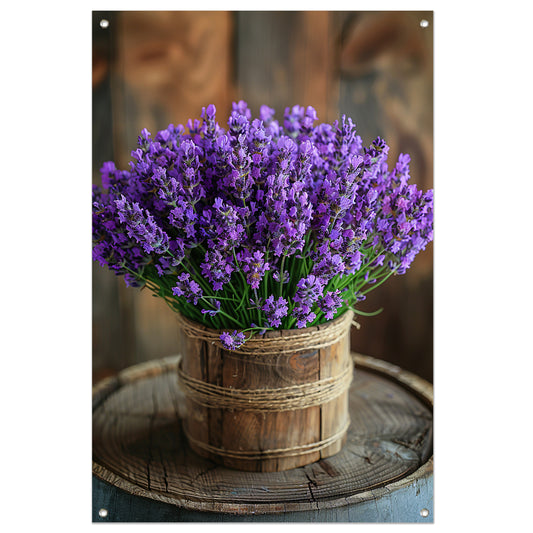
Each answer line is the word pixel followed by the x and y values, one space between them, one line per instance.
pixel 333 360
pixel 313 64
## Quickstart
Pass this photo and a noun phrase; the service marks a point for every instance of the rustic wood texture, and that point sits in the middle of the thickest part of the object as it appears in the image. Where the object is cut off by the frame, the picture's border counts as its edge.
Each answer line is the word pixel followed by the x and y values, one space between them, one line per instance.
pixel 252 431
pixel 150 69
pixel 385 62
pixel 155 68
pixel 139 446
pixel 286 58
pixel 409 500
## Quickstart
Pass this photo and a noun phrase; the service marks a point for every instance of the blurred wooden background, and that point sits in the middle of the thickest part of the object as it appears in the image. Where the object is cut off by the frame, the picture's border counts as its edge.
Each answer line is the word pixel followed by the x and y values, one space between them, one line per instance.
pixel 151 69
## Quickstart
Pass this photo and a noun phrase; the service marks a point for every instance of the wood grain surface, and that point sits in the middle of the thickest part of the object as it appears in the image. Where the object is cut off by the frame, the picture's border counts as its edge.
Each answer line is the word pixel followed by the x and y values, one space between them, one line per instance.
pixel 139 445
pixel 260 432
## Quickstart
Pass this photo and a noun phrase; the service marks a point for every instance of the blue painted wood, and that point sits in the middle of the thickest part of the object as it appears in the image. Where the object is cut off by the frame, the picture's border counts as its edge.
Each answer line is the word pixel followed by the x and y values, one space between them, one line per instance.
pixel 403 505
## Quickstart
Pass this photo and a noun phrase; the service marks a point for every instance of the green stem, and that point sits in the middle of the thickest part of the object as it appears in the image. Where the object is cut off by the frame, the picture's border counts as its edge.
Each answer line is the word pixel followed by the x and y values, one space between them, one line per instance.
pixel 221 312
pixel 258 311
pixel 364 313
pixel 281 275
pixel 376 285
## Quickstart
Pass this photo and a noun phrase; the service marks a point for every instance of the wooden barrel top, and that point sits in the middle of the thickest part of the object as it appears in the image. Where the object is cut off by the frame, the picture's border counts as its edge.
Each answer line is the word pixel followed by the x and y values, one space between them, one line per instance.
pixel 139 446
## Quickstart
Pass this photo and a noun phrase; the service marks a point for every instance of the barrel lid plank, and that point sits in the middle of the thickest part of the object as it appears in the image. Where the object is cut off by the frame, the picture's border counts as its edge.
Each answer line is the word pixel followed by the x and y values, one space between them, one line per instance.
pixel 139 446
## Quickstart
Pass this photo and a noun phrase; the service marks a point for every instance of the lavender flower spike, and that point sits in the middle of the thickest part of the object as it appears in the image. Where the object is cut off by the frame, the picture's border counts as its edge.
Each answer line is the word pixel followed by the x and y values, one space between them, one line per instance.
pixel 142 227
pixel 275 310
pixel 232 341
pixel 188 288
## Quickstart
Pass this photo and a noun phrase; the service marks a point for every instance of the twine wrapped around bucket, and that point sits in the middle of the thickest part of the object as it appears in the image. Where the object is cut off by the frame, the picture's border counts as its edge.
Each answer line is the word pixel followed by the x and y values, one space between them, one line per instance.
pixel 278 402
pixel 278 399
pixel 303 339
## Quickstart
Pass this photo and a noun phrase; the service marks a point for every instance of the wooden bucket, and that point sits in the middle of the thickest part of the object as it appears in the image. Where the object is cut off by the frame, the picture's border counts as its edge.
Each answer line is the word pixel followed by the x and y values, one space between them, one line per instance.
pixel 278 402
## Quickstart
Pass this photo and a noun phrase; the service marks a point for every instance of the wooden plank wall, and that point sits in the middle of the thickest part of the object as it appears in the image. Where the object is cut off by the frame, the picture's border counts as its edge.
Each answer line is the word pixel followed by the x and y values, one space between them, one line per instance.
pixel 155 68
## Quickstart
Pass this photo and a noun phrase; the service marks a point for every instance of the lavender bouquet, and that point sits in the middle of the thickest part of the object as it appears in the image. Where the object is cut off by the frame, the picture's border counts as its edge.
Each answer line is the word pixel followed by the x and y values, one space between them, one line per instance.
pixel 259 226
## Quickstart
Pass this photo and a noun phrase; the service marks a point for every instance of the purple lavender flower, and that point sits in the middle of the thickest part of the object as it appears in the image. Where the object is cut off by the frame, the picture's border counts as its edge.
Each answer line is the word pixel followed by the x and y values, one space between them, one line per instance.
pixel 189 171
pixel 266 114
pixel 330 303
pixel 232 341
pixel 217 269
pixel 378 261
pixel 168 186
pixel 274 311
pixel 141 226
pixel 183 220
pixel 241 108
pixel 240 180
pixel 216 307
pixel 305 203
pixel 112 247
pixel 254 266
pixel 208 114
pixel 281 277
pixel 238 126
pixel 299 121
pixel 308 291
pixel 108 170
pixel 164 266
pixel 222 226
pixel 327 263
pixel 188 288
pixel 132 280
pixel 167 265
pixel 287 212
pixel 303 314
